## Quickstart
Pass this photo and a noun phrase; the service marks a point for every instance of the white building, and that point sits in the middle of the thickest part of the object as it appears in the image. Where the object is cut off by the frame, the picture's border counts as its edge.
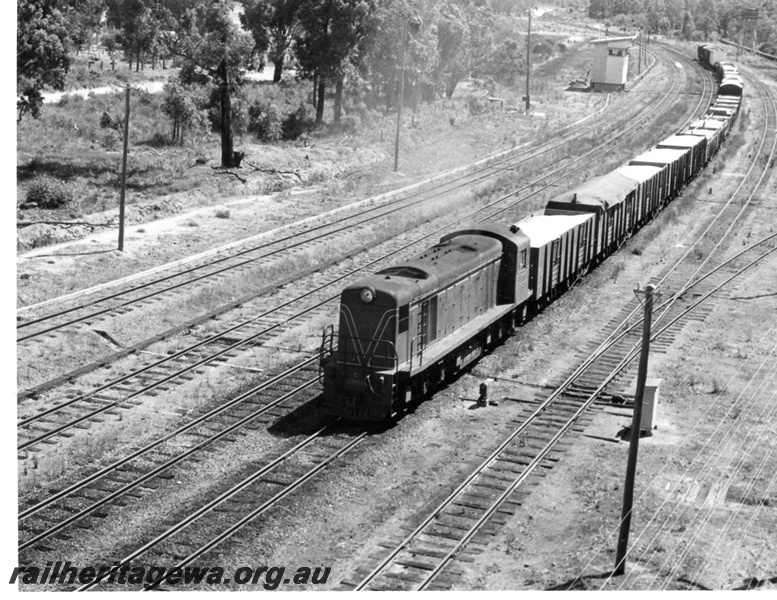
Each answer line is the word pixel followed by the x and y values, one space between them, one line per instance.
pixel 611 63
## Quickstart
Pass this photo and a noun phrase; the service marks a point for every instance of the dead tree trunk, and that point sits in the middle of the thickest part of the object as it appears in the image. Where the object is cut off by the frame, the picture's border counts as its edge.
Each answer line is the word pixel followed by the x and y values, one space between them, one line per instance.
pixel 320 100
pixel 227 143
pixel 338 104
pixel 277 70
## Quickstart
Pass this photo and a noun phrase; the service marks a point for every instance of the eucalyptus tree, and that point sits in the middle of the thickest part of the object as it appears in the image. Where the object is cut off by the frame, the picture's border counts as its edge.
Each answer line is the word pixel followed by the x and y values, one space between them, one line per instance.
pixel 330 32
pixel 41 53
pixel 211 42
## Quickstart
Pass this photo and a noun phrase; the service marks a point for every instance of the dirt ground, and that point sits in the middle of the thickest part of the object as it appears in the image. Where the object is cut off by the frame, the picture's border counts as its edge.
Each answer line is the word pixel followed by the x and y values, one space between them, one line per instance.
pixel 704 515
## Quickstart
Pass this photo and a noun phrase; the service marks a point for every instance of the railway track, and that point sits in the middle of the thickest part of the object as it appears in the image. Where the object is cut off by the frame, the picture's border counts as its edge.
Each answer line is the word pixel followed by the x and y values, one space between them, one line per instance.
pixel 41 424
pixel 519 453
pixel 250 263
pixel 55 527
pixel 255 494
pixel 451 533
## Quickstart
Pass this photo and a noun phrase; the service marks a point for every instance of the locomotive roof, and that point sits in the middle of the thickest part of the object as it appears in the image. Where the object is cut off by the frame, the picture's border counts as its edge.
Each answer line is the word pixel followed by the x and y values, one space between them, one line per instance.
pixel 435 267
pixel 542 229
pixel 660 156
pixel 639 173
pixel 604 191
pixel 683 141
pixel 729 98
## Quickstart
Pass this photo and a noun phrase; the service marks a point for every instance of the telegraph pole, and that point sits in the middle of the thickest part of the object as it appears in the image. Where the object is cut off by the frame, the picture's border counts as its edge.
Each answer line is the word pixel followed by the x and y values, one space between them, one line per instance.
pixel 401 98
pixel 650 294
pixel 639 51
pixel 528 63
pixel 124 171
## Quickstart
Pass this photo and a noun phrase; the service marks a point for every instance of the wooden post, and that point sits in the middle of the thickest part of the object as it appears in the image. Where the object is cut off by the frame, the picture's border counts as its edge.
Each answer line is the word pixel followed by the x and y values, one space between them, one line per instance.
pixel 639 51
pixel 636 421
pixel 528 63
pixel 124 171
pixel 401 98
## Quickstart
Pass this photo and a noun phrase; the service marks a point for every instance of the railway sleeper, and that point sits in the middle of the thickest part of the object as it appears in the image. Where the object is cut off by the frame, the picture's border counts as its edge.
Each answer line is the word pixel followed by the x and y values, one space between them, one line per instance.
pixel 450 525
pixel 424 566
pixel 482 537
pixel 431 552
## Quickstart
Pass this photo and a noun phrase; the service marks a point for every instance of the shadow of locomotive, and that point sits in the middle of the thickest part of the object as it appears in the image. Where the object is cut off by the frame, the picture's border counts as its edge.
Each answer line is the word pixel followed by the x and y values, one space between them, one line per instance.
pixel 308 418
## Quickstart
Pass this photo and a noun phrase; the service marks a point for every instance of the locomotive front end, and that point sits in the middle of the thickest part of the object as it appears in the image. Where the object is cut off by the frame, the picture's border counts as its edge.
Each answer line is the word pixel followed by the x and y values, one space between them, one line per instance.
pixel 359 375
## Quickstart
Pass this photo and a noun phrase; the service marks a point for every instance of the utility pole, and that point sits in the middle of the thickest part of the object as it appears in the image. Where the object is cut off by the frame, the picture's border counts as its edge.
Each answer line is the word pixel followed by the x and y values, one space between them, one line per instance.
pixel 124 171
pixel 401 98
pixel 650 294
pixel 639 51
pixel 528 63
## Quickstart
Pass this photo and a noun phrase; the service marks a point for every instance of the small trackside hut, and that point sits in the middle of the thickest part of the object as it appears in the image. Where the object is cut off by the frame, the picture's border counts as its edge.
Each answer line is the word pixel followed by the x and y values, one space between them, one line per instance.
pixel 611 63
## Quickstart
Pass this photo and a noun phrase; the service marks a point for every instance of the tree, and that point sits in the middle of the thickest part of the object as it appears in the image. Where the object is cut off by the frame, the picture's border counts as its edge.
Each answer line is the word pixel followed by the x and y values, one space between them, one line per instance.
pixel 507 63
pixel 453 45
pixel 330 32
pixel 84 19
pixel 273 24
pixel 689 27
pixel 139 30
pixel 209 40
pixel 180 104
pixel 41 53
pixel 383 54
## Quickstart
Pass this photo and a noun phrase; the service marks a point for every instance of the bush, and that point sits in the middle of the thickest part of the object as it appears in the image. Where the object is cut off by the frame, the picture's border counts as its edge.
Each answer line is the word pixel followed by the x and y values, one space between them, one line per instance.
pixel 475 105
pixel 48 192
pixel 298 122
pixel 264 121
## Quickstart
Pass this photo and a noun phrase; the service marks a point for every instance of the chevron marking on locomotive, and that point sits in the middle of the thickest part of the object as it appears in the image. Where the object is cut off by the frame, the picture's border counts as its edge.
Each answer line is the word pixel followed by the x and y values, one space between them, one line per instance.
pixel 361 353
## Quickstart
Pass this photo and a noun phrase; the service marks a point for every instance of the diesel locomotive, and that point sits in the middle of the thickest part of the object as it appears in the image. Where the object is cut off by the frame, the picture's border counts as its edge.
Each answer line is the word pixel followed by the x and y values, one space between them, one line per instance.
pixel 415 324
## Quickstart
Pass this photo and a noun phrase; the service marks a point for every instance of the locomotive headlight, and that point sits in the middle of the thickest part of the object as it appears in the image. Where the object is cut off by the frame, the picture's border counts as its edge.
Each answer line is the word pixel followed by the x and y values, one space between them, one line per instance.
pixel 367 295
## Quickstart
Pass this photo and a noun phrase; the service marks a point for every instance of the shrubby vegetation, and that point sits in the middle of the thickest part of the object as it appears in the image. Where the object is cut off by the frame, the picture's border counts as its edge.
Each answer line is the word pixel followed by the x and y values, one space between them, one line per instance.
pixel 48 192
pixel 693 19
pixel 358 51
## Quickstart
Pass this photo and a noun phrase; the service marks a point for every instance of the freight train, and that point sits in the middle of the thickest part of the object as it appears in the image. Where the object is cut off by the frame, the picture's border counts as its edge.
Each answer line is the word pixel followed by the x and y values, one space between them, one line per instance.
pixel 412 326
